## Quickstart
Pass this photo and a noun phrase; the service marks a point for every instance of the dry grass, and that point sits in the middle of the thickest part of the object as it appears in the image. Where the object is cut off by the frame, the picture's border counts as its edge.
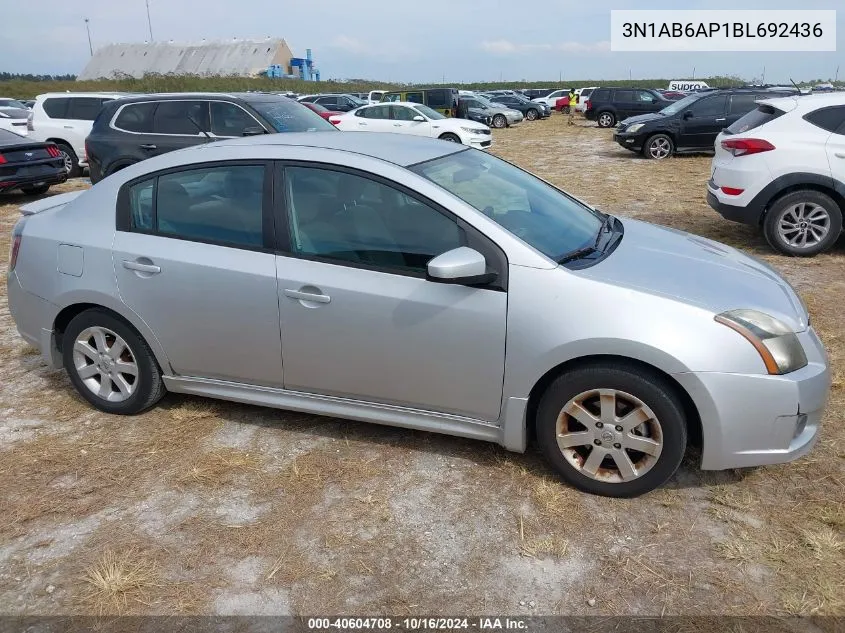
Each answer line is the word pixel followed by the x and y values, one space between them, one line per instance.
pixel 118 578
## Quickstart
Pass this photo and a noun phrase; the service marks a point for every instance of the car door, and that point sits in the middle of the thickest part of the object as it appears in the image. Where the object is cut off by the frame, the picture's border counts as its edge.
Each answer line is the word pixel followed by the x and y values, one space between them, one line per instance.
pixel 194 260
pixel 623 101
pixel 703 120
pixel 359 319
pixel 402 120
pixel 176 124
pixel 645 102
pixel 832 119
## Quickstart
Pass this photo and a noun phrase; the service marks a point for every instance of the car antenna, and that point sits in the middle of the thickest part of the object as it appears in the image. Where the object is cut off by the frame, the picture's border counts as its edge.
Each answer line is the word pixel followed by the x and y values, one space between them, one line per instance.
pixel 198 126
pixel 796 86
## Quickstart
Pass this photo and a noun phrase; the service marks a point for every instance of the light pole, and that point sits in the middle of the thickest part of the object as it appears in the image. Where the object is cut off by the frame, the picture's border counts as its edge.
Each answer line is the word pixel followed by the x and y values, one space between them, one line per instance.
pixel 149 22
pixel 88 30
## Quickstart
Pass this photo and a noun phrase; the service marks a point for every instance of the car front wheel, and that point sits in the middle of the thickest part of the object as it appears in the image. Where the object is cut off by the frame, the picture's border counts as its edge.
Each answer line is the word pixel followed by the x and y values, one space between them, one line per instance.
pixel 110 365
pixel 499 121
pixel 658 147
pixel 532 114
pixel 448 136
pixel 803 223
pixel 612 429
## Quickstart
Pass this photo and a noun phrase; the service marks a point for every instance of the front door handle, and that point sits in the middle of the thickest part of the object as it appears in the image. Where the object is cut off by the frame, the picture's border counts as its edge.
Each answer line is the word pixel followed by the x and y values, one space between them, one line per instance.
pixel 140 267
pixel 308 296
pixel 397 125
pixel 839 154
pixel 149 146
pixel 720 120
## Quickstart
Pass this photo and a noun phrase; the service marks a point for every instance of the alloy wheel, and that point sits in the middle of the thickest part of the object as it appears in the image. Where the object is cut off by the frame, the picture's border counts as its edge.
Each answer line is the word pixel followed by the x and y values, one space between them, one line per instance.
pixel 499 121
pixel 606 120
pixel 105 364
pixel 804 225
pixel 68 161
pixel 532 115
pixel 609 435
pixel 659 148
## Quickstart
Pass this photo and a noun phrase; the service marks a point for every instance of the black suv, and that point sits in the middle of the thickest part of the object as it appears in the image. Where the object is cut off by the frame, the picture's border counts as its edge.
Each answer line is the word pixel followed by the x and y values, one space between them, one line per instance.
pixel 131 129
pixel 608 106
pixel 690 124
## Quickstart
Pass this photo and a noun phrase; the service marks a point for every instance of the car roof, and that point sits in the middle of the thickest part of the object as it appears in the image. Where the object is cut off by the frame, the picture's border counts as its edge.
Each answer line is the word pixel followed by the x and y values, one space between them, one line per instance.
pixel 399 149
pixel 806 103
pixel 244 96
pixel 99 95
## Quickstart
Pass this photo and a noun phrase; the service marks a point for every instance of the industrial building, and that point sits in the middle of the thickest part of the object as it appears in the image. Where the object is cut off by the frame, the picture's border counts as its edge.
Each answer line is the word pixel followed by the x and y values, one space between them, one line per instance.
pixel 246 58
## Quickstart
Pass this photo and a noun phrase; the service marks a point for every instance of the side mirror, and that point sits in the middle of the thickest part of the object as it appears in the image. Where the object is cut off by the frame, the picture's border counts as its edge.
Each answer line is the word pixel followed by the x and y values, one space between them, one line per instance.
pixel 420 118
pixel 461 265
pixel 252 131
pixel 687 115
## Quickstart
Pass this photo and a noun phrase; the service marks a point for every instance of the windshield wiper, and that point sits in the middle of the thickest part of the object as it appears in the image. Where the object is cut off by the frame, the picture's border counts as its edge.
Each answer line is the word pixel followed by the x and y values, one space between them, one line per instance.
pixel 578 254
pixel 605 227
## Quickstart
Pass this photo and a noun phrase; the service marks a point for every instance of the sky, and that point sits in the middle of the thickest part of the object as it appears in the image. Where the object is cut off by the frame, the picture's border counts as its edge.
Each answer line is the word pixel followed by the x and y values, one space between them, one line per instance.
pixel 405 40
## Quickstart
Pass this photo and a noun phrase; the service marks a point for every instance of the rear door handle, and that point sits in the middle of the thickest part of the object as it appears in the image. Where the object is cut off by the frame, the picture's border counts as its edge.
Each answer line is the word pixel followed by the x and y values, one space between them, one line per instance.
pixel 69 127
pixel 148 146
pixel 839 154
pixel 720 120
pixel 307 296
pixel 151 269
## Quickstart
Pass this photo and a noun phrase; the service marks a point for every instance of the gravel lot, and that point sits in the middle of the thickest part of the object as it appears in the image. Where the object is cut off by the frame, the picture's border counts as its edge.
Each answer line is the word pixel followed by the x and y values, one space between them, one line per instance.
pixel 208 507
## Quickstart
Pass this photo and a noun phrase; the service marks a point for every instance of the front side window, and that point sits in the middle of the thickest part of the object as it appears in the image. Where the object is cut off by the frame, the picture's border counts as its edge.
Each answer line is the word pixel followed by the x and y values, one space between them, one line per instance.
pixel 285 115
pixel 415 97
pixel 228 119
pixel 352 219
pixel 215 204
pixel 534 211
pixel 186 118
pixel 641 95
pixel 392 97
pixel 402 113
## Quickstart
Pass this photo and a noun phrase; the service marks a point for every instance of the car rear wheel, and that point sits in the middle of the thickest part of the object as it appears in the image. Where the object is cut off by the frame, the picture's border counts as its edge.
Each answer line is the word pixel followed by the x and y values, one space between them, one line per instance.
pixel 658 147
pixel 532 114
pixel 71 161
pixel 448 136
pixel 499 121
pixel 36 191
pixel 606 119
pixel 803 223
pixel 110 365
pixel 612 429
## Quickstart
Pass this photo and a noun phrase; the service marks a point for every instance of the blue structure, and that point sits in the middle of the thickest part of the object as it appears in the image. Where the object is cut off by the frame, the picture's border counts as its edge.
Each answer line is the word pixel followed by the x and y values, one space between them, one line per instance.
pixel 300 68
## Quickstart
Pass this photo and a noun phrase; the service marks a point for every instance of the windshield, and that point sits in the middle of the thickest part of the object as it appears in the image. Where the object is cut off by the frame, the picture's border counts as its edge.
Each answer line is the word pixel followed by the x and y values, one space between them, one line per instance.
pixel 486 102
pixel 289 116
pixel 13 113
pixel 680 104
pixel 357 100
pixel 534 211
pixel 434 115
pixel 12 103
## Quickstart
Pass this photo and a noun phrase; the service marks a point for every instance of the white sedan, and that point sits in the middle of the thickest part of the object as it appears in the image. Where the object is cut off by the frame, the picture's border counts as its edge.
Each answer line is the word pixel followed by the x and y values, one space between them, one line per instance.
pixel 14 120
pixel 413 118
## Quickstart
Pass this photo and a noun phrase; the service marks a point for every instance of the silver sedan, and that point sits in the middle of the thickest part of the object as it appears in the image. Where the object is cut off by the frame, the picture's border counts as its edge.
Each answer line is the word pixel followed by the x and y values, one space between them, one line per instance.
pixel 422 284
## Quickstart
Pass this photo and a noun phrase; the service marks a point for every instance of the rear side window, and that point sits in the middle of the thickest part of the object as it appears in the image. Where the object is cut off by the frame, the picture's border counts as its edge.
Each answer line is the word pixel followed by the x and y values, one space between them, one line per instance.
pixel 137 117
pixel 602 94
pixel 416 97
pixel 56 107
pixel 709 106
pixel 624 96
pixel 175 117
pixel 831 119
pixel 754 119
pixel 743 103
pixel 85 108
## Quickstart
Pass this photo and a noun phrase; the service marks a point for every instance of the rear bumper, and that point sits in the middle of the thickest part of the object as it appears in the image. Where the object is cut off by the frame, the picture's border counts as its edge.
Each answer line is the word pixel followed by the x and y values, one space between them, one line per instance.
pixel 749 214
pixel 755 420
pixel 54 177
pixel 33 317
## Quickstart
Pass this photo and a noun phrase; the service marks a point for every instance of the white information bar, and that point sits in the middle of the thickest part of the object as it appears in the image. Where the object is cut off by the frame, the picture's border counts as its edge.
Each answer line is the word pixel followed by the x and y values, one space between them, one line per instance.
pixel 723 30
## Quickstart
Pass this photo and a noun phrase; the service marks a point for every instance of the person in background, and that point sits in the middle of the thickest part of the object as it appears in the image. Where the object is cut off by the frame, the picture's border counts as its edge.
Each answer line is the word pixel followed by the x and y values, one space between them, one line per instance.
pixel 573 101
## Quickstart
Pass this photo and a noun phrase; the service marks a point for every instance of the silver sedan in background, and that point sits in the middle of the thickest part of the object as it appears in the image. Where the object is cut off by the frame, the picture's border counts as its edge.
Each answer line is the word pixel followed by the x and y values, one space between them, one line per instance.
pixel 423 284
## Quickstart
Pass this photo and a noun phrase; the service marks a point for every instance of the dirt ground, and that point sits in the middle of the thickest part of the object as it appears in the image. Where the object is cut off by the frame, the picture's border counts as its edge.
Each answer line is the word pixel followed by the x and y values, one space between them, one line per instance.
pixel 215 508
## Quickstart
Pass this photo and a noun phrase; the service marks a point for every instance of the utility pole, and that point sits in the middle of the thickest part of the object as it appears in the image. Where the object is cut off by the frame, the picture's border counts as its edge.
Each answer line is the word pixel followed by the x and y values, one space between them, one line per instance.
pixel 836 77
pixel 764 76
pixel 149 22
pixel 693 72
pixel 88 30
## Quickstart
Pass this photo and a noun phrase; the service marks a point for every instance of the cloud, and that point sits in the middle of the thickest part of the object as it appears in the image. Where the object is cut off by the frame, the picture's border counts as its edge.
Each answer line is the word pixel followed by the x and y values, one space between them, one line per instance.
pixel 505 47
pixel 357 48
pixel 350 45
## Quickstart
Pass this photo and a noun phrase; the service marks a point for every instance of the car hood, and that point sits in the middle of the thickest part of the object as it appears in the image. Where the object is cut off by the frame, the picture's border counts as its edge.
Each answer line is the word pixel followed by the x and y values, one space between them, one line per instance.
pixel 642 118
pixel 697 271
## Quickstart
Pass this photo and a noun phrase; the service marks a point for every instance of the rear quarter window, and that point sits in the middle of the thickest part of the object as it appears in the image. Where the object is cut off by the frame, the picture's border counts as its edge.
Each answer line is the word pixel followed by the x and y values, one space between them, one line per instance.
pixel 831 119
pixel 754 119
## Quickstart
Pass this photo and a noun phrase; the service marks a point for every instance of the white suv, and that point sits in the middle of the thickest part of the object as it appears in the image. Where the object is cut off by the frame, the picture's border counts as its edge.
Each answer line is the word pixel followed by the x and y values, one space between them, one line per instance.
pixel 65 118
pixel 782 167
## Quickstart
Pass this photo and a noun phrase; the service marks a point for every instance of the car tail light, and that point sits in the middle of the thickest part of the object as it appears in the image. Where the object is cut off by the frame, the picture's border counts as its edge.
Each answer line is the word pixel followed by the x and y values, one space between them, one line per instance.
pixel 2 159
pixel 53 151
pixel 334 120
pixel 746 146
pixel 29 125
pixel 14 250
pixel 731 191
pixel 87 152
pixel 588 105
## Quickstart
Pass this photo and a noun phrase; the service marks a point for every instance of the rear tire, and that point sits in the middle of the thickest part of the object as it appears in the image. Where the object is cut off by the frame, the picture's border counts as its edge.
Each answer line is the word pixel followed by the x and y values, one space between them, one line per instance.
pixel 592 420
pixel 803 223
pixel 606 119
pixel 36 191
pixel 452 138
pixel 110 364
pixel 71 161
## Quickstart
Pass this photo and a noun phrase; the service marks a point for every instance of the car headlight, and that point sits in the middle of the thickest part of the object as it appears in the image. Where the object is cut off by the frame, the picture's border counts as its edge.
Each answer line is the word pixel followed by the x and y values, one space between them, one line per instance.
pixel 778 346
pixel 635 128
pixel 472 130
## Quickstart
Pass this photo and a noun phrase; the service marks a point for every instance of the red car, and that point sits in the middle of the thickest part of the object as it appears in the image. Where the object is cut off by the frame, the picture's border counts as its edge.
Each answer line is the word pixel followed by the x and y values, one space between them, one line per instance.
pixel 323 112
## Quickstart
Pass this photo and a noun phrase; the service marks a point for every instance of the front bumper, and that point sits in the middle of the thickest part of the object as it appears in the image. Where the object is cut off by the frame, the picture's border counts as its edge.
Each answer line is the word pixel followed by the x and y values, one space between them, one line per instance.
pixel 633 142
pixel 755 420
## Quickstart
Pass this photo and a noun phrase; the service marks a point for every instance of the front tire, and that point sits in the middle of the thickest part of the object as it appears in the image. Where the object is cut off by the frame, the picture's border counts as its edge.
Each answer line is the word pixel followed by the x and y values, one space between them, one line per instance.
pixel 110 365
pixel 612 429
pixel 36 191
pixel 658 147
pixel 452 138
pixel 532 114
pixel 499 121
pixel 71 161
pixel 606 119
pixel 803 223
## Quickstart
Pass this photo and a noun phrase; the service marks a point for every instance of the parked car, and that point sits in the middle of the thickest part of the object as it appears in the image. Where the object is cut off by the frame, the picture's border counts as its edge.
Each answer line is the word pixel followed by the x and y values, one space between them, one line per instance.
pixel 394 283
pixel 336 103
pixel 136 128
pixel 65 119
pixel 321 110
pixel 415 119
pixel 690 124
pixel 552 97
pixel 16 104
pixel 469 109
pixel 781 167
pixel 28 165
pixel 374 96
pixel 14 120
pixel 673 95
pixel 608 106
pixel 500 114
pixel 583 95
pixel 444 100
pixel 530 110
pixel 535 93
